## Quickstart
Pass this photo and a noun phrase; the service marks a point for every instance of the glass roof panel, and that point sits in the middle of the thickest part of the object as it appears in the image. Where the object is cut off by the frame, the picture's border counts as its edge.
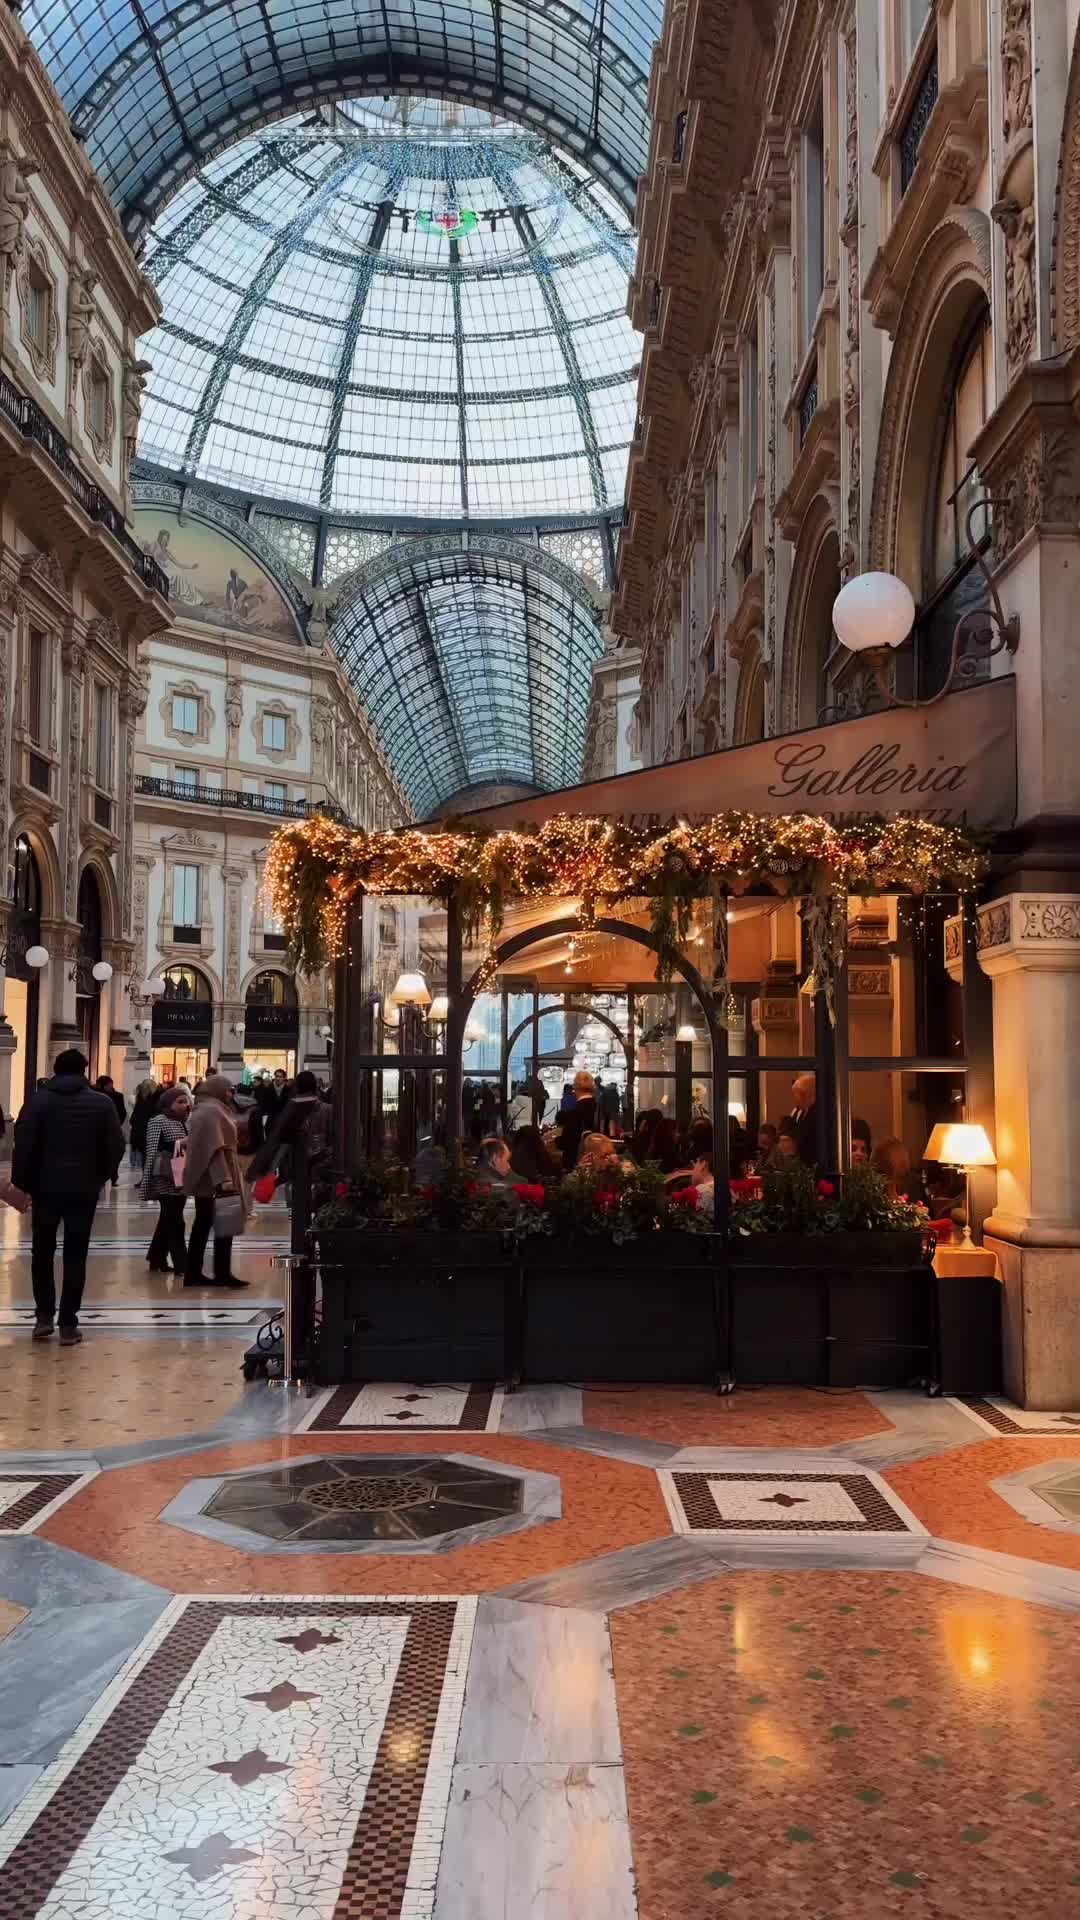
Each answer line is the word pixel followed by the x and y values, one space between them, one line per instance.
pixel 475 667
pixel 348 314
pixel 151 85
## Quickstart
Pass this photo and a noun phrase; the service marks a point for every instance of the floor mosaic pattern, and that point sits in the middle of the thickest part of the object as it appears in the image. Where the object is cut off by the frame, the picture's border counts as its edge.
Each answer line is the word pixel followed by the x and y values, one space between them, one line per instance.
pixel 442 1409
pixel 435 1651
pixel 283 1746
pixel 28 1499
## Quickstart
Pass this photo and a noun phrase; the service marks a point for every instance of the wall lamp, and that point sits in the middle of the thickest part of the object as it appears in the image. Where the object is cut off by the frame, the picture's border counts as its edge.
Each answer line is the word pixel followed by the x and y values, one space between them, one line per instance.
pixel 875 613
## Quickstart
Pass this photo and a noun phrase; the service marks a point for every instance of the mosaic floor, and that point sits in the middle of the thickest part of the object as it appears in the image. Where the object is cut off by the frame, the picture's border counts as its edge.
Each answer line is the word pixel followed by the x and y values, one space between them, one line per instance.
pixel 435 1652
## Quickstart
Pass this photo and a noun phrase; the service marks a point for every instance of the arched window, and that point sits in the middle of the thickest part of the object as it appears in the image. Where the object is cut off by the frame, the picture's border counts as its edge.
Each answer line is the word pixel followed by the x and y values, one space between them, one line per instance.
pixel 272 990
pixel 952 582
pixel 186 983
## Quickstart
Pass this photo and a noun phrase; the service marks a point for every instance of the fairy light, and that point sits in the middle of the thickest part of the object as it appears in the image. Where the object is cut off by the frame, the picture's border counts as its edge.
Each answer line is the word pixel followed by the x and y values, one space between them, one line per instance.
pixel 316 867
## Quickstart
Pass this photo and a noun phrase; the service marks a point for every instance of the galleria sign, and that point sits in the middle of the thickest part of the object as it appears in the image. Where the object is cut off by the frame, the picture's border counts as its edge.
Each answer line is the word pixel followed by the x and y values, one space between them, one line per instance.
pixel 954 762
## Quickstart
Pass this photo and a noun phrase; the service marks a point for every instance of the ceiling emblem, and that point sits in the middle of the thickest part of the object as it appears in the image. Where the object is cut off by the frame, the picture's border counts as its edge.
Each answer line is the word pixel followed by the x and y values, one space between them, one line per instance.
pixel 452 224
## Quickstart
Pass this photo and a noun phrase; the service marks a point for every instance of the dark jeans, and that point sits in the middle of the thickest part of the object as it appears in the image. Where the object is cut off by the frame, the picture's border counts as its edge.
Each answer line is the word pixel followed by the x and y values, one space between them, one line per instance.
pixel 201 1229
pixel 77 1215
pixel 168 1241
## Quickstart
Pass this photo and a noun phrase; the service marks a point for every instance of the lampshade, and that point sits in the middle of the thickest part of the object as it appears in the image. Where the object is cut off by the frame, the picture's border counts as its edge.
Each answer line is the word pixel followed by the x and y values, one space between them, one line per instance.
pixel 687 1034
pixel 37 957
pixel 101 972
pixel 873 610
pixel 955 1144
pixel 411 990
pixel 440 1008
pixel 474 1030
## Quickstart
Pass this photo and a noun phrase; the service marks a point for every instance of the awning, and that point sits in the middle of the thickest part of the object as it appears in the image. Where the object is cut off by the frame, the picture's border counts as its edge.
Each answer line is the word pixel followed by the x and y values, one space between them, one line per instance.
pixel 954 763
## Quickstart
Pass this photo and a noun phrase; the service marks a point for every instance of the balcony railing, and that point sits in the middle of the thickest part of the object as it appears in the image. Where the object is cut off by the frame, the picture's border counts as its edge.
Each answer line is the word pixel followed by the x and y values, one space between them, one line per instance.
pixel 916 123
pixel 233 800
pixel 808 404
pixel 35 425
pixel 678 138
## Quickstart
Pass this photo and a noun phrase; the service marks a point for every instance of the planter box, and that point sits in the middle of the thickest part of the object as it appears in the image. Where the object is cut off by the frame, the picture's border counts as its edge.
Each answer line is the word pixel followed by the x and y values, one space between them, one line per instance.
pixel 415 1306
pixel 838 1310
pixel 649 1310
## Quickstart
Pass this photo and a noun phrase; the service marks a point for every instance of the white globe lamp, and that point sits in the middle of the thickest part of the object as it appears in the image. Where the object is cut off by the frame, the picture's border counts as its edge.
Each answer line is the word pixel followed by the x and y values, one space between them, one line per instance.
pixel 37 957
pixel 155 986
pixel 101 972
pixel 874 613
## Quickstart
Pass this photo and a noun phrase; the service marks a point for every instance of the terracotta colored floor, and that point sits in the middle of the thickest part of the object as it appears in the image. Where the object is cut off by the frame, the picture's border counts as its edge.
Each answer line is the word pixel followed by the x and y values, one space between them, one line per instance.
pixel 606 1505
pixel 953 1498
pixel 753 1417
pixel 818 1745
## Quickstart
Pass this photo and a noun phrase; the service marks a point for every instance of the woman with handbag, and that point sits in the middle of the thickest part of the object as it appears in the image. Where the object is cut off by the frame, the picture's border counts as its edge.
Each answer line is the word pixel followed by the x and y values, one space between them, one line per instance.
pixel 212 1176
pixel 165 1137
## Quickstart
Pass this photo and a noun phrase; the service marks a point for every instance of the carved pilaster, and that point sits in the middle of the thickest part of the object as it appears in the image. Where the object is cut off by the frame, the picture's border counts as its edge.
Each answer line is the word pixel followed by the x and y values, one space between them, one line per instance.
pixel 234 880
pixel 850 234
pixel 1029 453
pixel 73 655
pixel 1014 208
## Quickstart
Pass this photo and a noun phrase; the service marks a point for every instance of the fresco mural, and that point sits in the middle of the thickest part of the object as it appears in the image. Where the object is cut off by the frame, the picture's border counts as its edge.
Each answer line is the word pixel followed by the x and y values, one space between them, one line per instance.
pixel 212 578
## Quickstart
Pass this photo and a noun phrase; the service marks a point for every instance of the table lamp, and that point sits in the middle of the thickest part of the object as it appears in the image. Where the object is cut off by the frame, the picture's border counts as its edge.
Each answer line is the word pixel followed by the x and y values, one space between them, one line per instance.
pixel 954 1143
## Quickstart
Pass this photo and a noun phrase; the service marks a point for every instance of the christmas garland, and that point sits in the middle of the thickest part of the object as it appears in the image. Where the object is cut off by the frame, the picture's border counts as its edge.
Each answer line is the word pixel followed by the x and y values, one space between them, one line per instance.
pixel 316 867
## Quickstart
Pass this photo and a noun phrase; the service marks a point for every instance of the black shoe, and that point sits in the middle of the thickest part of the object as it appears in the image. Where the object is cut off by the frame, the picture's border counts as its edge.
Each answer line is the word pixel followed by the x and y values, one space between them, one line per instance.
pixel 229 1281
pixel 70 1337
pixel 43 1330
pixel 151 1269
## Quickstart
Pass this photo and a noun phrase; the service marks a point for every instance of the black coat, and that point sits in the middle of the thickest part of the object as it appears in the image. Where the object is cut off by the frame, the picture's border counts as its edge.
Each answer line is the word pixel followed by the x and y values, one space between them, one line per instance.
pixel 573 1125
pixel 803 1124
pixel 68 1141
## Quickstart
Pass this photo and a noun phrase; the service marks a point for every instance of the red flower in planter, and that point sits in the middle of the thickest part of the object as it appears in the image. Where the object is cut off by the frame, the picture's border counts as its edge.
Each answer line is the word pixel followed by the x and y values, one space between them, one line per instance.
pixel 826 1189
pixel 529 1196
pixel 687 1197
pixel 605 1200
pixel 471 1189
pixel 427 1194
pixel 342 1189
pixel 745 1189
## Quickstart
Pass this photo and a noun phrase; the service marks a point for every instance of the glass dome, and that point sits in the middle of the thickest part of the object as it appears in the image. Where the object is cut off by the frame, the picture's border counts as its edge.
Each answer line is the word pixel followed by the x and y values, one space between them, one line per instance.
pixel 412 311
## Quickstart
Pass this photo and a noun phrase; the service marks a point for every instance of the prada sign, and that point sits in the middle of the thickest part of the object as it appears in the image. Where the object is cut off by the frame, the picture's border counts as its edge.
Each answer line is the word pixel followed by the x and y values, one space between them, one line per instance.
pixel 954 763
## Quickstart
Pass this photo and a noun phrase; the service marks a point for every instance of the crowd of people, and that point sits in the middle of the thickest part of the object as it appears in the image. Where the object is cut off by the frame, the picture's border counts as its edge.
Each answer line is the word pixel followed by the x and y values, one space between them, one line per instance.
pixel 187 1142
pixel 585 1134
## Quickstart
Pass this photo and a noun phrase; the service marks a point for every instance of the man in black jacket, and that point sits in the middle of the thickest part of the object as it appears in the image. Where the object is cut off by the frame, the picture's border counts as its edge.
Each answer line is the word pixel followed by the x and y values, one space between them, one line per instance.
pixel 68 1144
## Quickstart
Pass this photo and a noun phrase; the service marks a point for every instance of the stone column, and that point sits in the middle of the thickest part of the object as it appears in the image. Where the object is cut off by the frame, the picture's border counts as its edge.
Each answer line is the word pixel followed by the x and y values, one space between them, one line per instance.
pixel 1029 944
pixel 230 1054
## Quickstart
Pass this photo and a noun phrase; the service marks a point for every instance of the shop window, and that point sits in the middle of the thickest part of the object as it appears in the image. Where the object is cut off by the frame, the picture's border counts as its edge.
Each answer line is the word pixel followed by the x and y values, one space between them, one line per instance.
pixel 186 915
pixel 185 713
pixel 275 732
pixel 953 582
pixel 271 990
pixel 185 984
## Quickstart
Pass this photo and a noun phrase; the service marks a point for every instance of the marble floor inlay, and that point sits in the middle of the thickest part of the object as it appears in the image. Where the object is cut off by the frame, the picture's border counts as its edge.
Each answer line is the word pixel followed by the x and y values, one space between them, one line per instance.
pixel 401 1404
pixel 27 1499
pixel 290 1758
pixel 715 1502
pixel 366 1503
pixel 123 1315
pixel 1000 1416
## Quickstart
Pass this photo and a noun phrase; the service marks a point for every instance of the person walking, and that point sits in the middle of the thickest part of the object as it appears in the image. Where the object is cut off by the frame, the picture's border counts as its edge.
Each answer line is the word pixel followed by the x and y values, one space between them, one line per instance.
pixel 146 1105
pixel 211 1172
pixel 307 1114
pixel 68 1145
pixel 105 1084
pixel 169 1124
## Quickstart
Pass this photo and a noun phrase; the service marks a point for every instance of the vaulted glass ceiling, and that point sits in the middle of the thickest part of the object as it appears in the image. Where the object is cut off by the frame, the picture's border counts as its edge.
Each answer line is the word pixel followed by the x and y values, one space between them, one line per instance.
pixel 476 666
pixel 388 317
pixel 154 87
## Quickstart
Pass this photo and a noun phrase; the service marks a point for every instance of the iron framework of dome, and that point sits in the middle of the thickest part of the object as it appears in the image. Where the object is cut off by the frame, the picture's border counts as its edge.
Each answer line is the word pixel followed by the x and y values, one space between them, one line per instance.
pixel 475 664
pixel 155 89
pixel 394 323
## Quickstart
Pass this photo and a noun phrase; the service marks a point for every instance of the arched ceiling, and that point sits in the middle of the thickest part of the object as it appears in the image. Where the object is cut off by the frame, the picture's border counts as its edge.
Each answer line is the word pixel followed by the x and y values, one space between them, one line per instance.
pixel 385 317
pixel 474 664
pixel 154 89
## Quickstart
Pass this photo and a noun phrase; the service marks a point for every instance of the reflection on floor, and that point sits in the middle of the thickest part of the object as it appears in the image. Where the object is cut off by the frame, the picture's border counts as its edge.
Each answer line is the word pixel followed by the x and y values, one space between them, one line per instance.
pixel 439 1653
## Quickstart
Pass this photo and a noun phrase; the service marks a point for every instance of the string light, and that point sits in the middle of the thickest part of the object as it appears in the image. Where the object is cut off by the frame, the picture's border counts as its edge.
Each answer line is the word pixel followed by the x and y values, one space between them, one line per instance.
pixel 316 867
